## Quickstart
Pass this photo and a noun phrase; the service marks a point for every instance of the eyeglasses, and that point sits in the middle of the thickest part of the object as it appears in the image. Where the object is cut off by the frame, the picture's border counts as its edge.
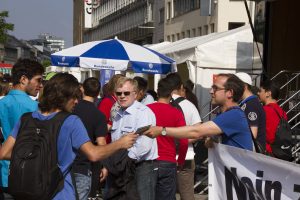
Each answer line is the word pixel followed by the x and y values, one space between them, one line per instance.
pixel 127 93
pixel 216 88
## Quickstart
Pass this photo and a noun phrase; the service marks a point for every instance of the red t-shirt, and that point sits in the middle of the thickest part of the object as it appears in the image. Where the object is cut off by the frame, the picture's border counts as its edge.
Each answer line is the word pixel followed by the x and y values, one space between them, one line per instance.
pixel 272 121
pixel 168 116
pixel 105 106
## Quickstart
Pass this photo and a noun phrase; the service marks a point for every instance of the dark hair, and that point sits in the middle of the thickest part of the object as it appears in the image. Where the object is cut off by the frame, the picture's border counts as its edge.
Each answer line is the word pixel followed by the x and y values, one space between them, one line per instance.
pixel 272 87
pixel 142 83
pixel 236 85
pixel 189 95
pixel 4 88
pixel 26 67
pixel 189 85
pixel 91 87
pixel 58 91
pixel 164 88
pixel 153 94
pixel 175 81
pixel 105 91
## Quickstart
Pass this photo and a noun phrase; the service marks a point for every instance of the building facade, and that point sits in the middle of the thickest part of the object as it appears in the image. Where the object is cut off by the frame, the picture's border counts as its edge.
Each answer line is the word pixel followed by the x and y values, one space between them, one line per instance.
pixel 192 18
pixel 78 21
pixel 129 20
pixel 54 43
pixel 154 21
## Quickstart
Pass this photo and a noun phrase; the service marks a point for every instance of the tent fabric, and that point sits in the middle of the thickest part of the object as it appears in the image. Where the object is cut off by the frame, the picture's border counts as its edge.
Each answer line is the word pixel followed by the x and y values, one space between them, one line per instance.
pixel 206 56
pixel 228 49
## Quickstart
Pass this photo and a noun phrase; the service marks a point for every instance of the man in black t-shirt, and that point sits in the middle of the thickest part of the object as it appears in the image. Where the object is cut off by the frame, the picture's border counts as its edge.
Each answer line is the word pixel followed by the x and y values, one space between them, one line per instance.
pixel 95 124
pixel 253 109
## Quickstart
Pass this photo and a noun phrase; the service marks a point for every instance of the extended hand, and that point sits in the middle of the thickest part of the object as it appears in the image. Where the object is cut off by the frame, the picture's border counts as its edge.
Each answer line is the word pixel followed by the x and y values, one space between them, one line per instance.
pixel 209 143
pixel 153 132
pixel 103 174
pixel 128 140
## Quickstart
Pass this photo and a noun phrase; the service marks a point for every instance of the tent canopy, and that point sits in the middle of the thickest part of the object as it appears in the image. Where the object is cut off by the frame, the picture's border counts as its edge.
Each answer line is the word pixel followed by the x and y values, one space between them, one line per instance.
pixel 228 49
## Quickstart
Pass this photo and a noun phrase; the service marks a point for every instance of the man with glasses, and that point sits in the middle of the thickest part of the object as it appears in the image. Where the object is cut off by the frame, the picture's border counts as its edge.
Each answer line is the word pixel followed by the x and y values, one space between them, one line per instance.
pixel 129 118
pixel 231 124
pixel 27 81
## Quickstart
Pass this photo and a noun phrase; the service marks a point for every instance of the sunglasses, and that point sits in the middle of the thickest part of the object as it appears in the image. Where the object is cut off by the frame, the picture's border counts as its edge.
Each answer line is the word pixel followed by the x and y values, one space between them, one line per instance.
pixel 127 93
pixel 216 88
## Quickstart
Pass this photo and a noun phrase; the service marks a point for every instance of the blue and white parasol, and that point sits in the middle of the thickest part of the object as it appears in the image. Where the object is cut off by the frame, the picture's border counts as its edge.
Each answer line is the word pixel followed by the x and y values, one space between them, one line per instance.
pixel 114 54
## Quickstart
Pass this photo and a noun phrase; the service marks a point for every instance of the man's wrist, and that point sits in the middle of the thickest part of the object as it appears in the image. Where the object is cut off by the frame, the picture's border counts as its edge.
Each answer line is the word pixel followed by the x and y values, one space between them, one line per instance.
pixel 164 131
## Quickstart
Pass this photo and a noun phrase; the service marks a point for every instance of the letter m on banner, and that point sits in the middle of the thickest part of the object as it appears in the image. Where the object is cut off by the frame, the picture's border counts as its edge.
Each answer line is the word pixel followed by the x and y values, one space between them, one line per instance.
pixel 237 174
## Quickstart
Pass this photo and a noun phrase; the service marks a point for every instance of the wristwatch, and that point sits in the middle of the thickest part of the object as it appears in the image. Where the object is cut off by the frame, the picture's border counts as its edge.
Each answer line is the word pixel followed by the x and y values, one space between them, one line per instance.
pixel 164 131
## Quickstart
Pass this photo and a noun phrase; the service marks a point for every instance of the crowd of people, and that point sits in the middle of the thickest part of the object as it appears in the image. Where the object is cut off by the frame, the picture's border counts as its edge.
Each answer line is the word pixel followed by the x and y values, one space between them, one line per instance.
pixel 97 146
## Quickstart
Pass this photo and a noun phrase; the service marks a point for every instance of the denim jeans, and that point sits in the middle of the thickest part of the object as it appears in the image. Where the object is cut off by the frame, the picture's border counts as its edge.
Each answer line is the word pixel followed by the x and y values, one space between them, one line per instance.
pixel 146 176
pixel 166 181
pixel 83 185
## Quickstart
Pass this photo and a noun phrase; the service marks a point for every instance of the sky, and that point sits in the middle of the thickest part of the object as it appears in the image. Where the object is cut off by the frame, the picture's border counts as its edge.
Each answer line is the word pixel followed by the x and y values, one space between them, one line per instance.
pixel 33 17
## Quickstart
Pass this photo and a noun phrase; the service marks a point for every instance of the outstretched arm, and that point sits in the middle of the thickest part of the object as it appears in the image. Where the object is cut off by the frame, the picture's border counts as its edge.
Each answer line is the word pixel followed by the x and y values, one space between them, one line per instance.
pixel 96 153
pixel 196 131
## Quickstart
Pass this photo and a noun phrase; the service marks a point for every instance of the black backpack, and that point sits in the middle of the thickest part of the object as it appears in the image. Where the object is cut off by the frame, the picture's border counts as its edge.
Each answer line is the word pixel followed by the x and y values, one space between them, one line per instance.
pixel 282 145
pixel 34 172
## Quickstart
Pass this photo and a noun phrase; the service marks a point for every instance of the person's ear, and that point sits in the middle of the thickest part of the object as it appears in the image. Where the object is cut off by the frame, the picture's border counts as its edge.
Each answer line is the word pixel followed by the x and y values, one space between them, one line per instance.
pixel 229 93
pixel 24 80
pixel 268 94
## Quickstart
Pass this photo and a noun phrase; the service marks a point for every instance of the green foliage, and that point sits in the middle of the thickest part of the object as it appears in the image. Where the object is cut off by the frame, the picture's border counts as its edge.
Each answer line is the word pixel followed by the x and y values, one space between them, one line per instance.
pixel 4 27
pixel 46 63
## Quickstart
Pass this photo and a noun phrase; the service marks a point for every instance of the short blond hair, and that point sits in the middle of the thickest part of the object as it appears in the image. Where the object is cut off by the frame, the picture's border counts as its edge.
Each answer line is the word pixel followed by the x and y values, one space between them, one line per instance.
pixel 123 80
pixel 113 82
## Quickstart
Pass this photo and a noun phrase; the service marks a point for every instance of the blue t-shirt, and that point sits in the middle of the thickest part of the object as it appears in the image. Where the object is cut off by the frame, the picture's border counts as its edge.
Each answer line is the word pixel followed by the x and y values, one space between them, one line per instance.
pixel 71 136
pixel 236 131
pixel 12 107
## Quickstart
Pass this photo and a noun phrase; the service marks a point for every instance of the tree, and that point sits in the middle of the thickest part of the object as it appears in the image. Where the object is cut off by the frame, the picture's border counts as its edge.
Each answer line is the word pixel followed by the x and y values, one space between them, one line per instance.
pixel 46 63
pixel 4 27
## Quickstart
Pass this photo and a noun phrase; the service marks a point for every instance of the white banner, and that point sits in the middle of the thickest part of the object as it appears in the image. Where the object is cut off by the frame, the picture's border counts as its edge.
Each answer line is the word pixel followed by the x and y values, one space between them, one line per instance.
pixel 237 174
pixel 88 8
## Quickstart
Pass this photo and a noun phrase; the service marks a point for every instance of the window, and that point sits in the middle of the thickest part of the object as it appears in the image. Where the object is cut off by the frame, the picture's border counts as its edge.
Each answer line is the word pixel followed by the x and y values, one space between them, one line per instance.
pixel 169 10
pixel 168 38
pixel 205 29
pixel 233 25
pixel 173 38
pixel 178 36
pixel 175 4
pixel 212 28
pixel 162 15
pixel 194 32
pixel 183 6
pixel 188 33
pixel 183 35
pixel 199 31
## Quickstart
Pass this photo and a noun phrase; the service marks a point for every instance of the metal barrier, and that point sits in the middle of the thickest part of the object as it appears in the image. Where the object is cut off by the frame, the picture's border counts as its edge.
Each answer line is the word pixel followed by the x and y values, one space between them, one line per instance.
pixel 291 96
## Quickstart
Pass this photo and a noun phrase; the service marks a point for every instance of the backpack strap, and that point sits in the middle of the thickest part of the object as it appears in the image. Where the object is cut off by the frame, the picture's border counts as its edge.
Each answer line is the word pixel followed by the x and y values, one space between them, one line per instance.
pixel 175 103
pixel 279 116
pixel 59 119
pixel 179 99
pixel 111 98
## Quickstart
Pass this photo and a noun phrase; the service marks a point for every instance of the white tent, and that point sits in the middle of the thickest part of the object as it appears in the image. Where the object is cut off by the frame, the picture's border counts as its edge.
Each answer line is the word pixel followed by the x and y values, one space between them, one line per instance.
pixel 205 56
pixel 80 73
